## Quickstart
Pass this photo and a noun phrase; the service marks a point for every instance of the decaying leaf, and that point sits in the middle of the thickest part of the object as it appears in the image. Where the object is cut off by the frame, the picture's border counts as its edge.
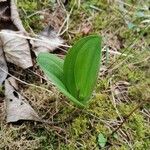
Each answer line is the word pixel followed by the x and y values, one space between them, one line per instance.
pixel 17 50
pixel 15 16
pixel 47 41
pixel 17 108
pixel 3 66
pixel 4 13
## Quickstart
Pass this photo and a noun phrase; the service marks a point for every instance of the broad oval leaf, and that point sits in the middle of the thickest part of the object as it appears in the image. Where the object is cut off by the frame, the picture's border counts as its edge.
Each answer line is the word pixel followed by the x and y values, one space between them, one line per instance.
pixel 87 66
pixel 81 67
pixel 53 68
pixel 51 63
pixel 70 61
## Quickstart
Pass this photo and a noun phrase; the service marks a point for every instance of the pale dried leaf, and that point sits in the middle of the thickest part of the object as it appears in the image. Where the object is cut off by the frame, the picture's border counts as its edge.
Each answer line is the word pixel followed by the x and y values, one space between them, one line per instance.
pixel 49 41
pixel 17 50
pixel 4 11
pixel 15 16
pixel 3 66
pixel 13 83
pixel 17 108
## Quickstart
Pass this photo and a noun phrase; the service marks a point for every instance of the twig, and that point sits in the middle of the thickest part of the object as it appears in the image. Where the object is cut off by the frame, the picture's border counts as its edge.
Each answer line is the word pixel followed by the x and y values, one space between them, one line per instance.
pixel 39 87
pixel 127 117
pixel 34 39
pixel 115 52
pixel 113 98
pixel 66 21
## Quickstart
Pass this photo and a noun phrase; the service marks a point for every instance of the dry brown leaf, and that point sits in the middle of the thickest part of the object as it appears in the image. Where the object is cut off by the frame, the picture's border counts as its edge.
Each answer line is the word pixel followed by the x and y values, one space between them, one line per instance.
pixel 3 66
pixel 86 29
pixel 17 108
pixel 17 50
pixel 48 41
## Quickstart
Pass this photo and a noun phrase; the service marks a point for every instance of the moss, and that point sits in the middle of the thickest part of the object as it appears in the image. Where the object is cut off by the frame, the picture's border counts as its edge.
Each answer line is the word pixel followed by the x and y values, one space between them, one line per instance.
pixel 28 14
pixel 91 143
pixel 102 84
pixel 79 126
pixel 137 92
pixel 137 125
pixel 101 105
pixel 132 75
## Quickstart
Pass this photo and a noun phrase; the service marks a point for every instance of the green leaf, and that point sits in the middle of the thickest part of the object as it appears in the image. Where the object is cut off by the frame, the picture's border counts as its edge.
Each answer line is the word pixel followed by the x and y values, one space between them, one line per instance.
pixel 115 136
pixel 77 67
pixel 51 63
pixel 140 14
pixel 69 64
pixel 87 67
pixel 53 68
pixel 76 76
pixel 131 25
pixel 102 140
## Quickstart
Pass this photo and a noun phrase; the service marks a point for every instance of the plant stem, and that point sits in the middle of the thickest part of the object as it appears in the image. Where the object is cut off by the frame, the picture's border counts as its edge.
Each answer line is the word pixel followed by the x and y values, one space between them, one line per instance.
pixel 127 117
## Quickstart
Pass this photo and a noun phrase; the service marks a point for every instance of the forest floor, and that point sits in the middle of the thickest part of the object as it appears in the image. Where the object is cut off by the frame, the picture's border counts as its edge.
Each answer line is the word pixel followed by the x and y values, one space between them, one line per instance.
pixel 123 83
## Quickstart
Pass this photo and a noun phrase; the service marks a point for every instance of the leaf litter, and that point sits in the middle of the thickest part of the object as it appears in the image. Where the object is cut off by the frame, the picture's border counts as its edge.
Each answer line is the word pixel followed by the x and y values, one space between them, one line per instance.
pixel 3 65
pixel 17 107
pixel 15 48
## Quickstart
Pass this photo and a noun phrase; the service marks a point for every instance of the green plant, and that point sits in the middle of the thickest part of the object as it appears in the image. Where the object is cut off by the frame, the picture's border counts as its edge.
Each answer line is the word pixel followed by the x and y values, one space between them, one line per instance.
pixel 102 140
pixel 75 76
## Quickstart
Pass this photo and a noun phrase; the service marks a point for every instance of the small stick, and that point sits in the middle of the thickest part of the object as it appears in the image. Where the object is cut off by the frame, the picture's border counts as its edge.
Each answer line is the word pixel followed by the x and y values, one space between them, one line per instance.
pixel 127 117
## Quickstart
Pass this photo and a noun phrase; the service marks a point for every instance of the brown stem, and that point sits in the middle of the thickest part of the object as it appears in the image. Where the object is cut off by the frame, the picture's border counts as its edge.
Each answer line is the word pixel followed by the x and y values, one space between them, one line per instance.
pixel 127 117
